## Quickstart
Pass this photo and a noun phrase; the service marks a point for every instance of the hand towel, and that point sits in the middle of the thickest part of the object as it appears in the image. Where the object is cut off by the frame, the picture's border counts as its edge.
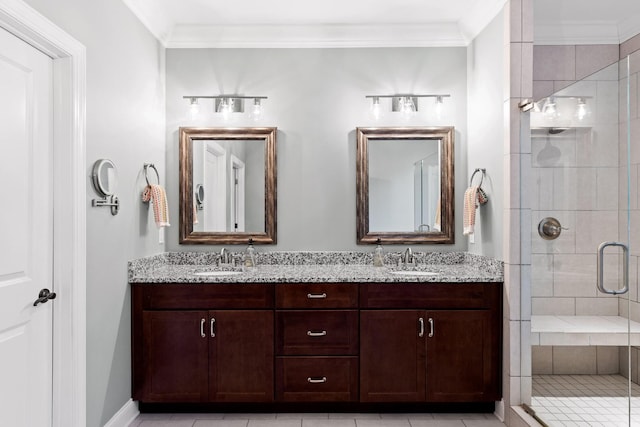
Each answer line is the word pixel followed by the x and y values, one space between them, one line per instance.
pixel 195 213
pixel 437 221
pixel 469 210
pixel 158 197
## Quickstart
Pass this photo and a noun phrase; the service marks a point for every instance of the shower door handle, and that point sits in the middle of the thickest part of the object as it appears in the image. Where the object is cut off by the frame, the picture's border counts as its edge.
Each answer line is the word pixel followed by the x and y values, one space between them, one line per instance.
pixel 625 268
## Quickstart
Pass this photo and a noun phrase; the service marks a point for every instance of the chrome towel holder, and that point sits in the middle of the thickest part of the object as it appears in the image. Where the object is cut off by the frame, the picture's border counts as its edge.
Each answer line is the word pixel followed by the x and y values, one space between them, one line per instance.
pixel 482 195
pixel 148 166
pixel 483 170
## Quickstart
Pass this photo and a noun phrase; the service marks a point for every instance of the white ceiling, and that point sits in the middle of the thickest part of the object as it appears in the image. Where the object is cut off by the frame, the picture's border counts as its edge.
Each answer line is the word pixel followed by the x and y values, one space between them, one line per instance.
pixel 379 23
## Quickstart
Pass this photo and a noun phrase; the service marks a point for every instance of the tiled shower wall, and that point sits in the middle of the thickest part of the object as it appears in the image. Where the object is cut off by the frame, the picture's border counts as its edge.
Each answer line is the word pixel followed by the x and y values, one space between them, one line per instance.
pixel 579 176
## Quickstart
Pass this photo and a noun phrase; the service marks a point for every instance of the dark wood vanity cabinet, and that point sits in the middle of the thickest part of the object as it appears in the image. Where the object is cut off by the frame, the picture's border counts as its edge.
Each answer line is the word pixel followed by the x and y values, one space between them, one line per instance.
pixel 448 352
pixel 367 342
pixel 182 354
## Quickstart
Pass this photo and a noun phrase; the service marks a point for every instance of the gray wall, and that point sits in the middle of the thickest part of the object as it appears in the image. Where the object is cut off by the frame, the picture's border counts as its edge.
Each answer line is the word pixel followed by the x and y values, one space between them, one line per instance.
pixel 317 99
pixel 486 123
pixel 125 122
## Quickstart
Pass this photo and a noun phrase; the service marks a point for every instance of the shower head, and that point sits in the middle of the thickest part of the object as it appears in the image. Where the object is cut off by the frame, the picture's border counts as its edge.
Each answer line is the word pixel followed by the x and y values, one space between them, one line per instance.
pixel 555 131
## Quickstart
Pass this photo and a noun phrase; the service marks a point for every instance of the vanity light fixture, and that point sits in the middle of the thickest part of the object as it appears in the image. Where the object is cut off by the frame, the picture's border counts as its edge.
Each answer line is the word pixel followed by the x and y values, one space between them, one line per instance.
pixel 405 103
pixel 550 106
pixel 227 104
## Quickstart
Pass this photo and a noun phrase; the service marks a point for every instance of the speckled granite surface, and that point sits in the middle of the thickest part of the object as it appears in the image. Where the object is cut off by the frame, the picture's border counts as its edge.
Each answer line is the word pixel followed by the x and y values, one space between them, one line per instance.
pixel 315 267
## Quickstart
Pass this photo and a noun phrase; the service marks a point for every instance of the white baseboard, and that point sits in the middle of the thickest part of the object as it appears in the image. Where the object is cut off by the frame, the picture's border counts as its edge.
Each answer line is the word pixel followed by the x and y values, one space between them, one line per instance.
pixel 125 415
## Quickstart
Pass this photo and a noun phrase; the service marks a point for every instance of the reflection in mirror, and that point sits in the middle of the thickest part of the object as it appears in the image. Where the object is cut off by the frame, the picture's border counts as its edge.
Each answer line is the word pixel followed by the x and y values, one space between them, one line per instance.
pixel 229 180
pixel 405 185
pixel 227 185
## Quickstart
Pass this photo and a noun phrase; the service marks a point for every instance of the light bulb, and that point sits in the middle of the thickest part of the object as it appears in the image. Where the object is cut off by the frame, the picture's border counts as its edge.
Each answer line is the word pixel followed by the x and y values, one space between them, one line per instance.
pixel 194 108
pixel 439 107
pixel 256 112
pixel 549 109
pixel 408 107
pixel 581 109
pixel 225 107
pixel 375 108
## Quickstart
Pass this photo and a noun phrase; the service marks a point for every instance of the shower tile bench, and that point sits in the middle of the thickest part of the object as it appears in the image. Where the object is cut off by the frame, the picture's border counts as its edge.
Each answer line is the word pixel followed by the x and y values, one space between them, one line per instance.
pixel 582 331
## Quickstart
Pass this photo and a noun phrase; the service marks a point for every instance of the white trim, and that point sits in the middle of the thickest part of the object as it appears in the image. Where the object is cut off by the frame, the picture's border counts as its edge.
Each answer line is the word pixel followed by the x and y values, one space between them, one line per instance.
pixel 315 36
pixel 125 415
pixel 69 263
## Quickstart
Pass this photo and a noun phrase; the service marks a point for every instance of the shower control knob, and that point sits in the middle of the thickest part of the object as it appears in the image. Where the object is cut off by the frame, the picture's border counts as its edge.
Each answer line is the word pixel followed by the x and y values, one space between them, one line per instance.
pixel 549 228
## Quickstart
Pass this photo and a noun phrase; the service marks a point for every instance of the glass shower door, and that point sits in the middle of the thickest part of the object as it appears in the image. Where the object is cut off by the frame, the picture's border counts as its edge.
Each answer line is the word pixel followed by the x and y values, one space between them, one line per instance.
pixel 584 206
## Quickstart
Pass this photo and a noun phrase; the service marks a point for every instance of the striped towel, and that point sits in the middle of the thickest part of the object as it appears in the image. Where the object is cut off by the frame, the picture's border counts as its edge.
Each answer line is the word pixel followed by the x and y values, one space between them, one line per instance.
pixel 158 197
pixel 469 210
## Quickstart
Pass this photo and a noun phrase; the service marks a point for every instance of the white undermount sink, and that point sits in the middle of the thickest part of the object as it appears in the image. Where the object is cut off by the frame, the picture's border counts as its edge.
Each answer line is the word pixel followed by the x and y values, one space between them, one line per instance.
pixel 217 273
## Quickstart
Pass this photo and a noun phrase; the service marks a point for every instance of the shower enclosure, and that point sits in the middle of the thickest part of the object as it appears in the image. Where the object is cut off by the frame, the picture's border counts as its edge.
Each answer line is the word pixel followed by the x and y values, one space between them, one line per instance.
pixel 583 190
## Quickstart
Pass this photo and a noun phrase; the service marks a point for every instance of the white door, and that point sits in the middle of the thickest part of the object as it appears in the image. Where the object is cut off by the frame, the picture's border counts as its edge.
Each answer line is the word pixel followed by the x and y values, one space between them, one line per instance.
pixel 26 235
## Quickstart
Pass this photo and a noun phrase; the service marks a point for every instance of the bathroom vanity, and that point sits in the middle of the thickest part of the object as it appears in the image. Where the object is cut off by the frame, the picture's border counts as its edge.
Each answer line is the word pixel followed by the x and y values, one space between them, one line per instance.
pixel 311 333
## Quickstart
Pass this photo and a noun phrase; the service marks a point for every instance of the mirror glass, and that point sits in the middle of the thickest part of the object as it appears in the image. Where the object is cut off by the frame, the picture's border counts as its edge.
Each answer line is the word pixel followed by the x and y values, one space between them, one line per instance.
pixel 227 189
pixel 405 185
pixel 105 177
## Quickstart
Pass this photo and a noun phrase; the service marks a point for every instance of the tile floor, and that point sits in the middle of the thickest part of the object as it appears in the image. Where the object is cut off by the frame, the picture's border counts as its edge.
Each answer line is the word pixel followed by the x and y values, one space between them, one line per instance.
pixel 585 400
pixel 316 420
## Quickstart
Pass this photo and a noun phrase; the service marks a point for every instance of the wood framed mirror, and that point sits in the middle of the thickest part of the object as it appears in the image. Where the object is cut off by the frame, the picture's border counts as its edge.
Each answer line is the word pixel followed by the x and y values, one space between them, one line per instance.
pixel 405 185
pixel 234 170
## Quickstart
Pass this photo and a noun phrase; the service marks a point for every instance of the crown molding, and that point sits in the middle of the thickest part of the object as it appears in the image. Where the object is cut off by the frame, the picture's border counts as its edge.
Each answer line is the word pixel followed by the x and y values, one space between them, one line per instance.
pixel 315 36
pixel 152 18
pixel 477 18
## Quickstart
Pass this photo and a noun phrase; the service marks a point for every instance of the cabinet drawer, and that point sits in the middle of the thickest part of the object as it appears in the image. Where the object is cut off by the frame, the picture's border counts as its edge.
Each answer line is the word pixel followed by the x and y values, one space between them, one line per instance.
pixel 204 296
pixel 315 332
pixel 317 295
pixel 317 379
pixel 431 295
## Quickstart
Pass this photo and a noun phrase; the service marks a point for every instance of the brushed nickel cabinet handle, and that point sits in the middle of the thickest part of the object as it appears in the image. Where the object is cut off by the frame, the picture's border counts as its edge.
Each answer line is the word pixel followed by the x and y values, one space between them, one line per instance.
pixel 202 334
pixel 212 327
pixel 317 380
pixel 317 296
pixel 421 325
pixel 432 327
pixel 316 334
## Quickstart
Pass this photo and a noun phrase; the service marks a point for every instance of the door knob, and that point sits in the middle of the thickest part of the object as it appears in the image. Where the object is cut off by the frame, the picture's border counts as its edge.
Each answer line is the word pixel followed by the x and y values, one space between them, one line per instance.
pixel 44 296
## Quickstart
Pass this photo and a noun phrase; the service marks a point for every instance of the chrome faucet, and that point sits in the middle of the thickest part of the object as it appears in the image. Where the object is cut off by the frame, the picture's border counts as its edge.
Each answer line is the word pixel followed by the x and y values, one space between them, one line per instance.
pixel 224 256
pixel 408 256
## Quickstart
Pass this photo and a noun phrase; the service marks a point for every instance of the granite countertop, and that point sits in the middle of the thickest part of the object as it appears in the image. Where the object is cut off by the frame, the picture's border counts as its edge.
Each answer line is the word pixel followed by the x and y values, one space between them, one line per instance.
pixel 316 267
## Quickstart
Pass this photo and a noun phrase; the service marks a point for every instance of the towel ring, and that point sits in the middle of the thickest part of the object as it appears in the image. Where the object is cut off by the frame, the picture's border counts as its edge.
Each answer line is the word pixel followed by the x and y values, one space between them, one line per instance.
pixel 146 172
pixel 481 176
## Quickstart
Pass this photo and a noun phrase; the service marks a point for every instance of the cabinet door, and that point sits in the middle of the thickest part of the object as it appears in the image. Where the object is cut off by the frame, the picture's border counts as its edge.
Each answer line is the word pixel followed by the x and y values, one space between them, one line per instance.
pixel 392 356
pixel 461 366
pixel 241 355
pixel 174 362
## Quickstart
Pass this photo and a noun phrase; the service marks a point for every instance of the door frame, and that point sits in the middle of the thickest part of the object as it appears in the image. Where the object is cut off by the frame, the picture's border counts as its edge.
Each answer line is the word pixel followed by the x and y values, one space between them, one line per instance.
pixel 69 204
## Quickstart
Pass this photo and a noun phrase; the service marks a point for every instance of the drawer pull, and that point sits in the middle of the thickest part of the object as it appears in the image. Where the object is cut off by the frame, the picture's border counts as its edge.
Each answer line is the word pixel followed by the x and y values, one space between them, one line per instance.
pixel 316 334
pixel 213 327
pixel 317 296
pixel 202 334
pixel 317 380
